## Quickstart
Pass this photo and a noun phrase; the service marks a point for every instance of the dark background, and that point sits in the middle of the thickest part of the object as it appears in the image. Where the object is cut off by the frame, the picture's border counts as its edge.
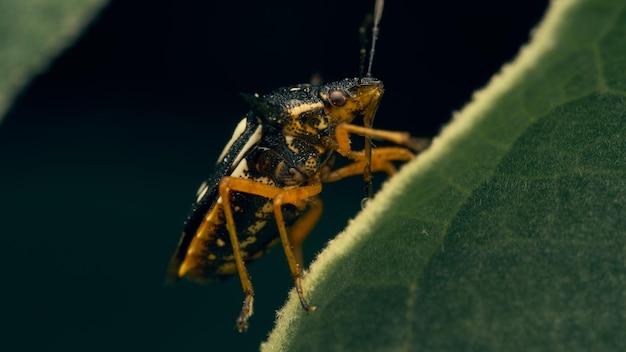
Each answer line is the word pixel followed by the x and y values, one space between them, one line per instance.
pixel 102 154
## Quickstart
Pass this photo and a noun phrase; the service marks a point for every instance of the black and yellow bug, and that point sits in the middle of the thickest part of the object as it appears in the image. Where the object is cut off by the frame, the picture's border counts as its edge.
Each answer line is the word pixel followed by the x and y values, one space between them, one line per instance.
pixel 267 180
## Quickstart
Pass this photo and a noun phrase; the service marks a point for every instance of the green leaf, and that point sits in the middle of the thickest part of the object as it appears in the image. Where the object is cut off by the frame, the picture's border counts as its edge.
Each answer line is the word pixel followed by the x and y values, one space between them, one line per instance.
pixel 510 231
pixel 32 34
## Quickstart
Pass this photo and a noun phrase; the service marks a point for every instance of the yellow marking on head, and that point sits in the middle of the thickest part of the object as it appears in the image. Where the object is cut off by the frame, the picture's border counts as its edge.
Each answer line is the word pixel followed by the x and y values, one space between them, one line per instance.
pixel 363 101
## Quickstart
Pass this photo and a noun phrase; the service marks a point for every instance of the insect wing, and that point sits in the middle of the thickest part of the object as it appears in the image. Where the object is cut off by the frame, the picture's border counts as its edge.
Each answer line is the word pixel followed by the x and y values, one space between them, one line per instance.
pixel 241 143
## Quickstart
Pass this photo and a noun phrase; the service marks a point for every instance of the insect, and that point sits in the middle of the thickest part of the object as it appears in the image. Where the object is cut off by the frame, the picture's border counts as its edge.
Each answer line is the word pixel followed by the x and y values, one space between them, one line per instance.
pixel 268 177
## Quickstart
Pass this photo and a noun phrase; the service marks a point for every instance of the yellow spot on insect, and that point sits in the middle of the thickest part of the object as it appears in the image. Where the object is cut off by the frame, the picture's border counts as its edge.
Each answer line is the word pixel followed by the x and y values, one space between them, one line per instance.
pixel 322 124
pixel 228 268
pixel 265 211
pixel 249 240
pixel 185 267
pixel 311 164
pixel 258 254
pixel 211 257
pixel 220 242
pixel 239 130
pixel 290 145
pixel 231 257
pixel 212 216
pixel 300 108
pixel 265 180
pixel 256 227
pixel 204 187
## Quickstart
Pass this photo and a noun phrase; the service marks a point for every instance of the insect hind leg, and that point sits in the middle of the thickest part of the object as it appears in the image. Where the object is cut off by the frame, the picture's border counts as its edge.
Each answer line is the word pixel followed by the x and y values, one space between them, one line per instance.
pixel 303 226
pixel 225 188
pixel 279 198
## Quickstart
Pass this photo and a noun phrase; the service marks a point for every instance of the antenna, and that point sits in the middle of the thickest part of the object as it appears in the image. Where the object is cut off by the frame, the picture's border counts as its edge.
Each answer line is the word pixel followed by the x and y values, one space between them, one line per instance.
pixel 363 41
pixel 368 121
pixel 378 13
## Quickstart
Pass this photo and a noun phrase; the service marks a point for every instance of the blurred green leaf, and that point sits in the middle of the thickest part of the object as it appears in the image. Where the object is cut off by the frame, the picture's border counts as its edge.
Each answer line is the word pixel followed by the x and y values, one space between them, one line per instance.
pixel 32 34
pixel 510 232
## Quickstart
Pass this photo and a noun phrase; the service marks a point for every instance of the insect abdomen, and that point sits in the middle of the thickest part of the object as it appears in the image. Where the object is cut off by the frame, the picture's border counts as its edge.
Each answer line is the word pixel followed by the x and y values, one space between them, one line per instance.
pixel 210 256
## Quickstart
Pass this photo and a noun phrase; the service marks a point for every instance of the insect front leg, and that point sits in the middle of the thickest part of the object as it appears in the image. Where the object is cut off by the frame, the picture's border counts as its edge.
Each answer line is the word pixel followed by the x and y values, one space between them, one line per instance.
pixel 381 160
pixel 279 197
pixel 343 131
pixel 342 138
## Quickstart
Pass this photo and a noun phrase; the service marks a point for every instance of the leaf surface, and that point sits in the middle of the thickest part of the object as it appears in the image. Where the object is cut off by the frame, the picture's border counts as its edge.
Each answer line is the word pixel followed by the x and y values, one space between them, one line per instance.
pixel 32 34
pixel 509 232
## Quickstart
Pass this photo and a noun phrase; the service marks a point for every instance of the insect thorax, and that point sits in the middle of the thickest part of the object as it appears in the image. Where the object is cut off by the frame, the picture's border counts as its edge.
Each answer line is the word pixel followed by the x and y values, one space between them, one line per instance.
pixel 299 125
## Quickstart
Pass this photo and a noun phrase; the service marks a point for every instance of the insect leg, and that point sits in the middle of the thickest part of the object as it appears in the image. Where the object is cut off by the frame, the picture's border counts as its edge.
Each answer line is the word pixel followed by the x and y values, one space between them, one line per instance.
pixel 381 161
pixel 303 226
pixel 343 131
pixel 225 188
pixel 280 197
pixel 287 197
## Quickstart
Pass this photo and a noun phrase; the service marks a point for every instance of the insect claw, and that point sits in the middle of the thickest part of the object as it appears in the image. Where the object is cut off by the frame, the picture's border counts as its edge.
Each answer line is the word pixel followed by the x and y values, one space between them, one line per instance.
pixel 305 305
pixel 308 308
pixel 246 312
pixel 242 326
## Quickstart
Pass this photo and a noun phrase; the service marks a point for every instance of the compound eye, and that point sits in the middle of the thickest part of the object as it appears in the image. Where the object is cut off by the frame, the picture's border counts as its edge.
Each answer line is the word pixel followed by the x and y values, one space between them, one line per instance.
pixel 337 97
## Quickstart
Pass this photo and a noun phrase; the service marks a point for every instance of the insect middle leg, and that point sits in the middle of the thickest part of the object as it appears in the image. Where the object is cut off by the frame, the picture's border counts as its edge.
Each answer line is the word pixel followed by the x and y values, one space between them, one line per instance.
pixel 342 136
pixel 280 197
pixel 303 226
pixel 343 131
